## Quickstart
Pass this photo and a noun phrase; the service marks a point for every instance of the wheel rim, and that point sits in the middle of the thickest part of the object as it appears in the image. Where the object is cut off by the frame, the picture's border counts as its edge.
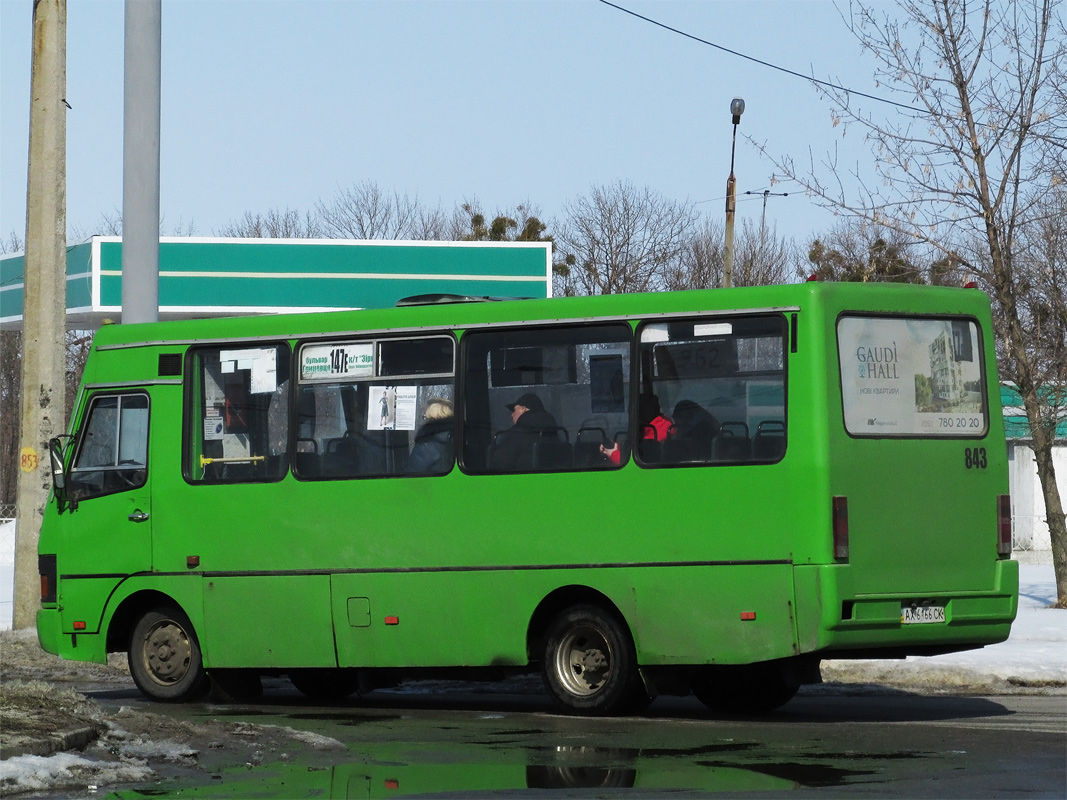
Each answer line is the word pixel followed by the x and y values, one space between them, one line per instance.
pixel 166 652
pixel 583 661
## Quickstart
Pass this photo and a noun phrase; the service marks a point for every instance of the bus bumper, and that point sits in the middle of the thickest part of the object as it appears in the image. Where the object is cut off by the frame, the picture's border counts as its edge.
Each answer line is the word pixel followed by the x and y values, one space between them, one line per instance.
pixel 49 630
pixel 850 620
pixel 74 646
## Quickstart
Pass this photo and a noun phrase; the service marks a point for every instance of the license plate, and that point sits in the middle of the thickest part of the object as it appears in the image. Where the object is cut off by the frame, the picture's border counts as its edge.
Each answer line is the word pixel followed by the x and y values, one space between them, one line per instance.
pixel 922 615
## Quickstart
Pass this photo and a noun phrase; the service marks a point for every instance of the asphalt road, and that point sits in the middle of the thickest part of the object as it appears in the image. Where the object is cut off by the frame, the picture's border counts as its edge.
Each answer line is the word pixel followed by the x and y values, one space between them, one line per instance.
pixel 475 745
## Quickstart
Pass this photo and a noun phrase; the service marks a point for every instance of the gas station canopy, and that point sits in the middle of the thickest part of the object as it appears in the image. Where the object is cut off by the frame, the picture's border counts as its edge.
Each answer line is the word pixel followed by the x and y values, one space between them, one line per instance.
pixel 211 277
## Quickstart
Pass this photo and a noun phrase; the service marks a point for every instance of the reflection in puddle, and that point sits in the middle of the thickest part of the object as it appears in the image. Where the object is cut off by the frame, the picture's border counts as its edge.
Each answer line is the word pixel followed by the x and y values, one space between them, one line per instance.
pixel 387 772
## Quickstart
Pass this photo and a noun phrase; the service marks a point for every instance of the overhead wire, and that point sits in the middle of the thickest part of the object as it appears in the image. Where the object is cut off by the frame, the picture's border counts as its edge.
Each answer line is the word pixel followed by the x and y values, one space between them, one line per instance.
pixel 755 60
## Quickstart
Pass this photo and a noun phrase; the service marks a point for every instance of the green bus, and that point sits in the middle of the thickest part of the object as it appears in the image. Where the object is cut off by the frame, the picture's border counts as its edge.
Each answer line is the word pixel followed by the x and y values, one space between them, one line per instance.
pixel 700 492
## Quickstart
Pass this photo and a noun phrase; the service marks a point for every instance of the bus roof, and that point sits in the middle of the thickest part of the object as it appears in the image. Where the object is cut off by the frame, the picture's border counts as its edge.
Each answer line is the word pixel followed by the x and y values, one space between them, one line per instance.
pixel 865 297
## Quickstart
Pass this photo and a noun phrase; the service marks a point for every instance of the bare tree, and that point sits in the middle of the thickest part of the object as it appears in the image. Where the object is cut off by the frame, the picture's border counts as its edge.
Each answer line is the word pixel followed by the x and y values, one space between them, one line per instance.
pixel 1041 302
pixel 363 211
pixel 969 170
pixel 856 250
pixel 621 239
pixel 520 224
pixel 275 224
pixel 110 224
pixel 10 394
pixel 10 398
pixel 760 258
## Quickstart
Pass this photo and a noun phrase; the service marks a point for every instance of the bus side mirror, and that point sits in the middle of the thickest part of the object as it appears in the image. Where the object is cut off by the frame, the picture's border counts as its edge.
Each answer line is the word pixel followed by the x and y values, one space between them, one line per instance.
pixel 55 452
pixel 59 476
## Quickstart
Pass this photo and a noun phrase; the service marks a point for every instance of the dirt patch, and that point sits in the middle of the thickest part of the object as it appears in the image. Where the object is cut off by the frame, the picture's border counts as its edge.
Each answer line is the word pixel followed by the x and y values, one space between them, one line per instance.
pixel 53 737
pixel 39 718
pixel 23 659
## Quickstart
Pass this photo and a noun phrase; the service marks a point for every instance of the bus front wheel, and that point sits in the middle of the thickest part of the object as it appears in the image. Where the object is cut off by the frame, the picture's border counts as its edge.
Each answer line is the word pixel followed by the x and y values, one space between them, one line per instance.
pixel 589 664
pixel 164 656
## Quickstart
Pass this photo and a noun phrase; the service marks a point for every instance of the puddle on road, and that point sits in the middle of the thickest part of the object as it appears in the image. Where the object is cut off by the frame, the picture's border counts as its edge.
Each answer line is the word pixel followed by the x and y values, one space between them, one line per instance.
pixel 387 770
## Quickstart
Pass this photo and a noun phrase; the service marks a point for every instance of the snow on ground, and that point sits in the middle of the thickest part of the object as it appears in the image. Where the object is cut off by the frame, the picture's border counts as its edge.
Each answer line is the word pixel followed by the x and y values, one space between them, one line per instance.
pixel 117 757
pixel 39 773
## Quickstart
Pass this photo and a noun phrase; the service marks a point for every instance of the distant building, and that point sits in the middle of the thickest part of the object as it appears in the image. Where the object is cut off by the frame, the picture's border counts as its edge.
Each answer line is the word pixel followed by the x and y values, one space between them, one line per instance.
pixel 1027 502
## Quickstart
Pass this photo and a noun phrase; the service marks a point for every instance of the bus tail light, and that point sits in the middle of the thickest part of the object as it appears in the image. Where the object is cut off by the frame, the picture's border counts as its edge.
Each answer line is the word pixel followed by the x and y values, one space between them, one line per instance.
pixel 840 518
pixel 1004 525
pixel 46 566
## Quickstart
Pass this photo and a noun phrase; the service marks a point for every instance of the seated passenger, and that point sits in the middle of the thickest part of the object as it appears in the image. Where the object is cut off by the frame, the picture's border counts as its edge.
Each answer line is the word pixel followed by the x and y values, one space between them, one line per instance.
pixel 530 422
pixel 653 426
pixel 433 451
pixel 693 421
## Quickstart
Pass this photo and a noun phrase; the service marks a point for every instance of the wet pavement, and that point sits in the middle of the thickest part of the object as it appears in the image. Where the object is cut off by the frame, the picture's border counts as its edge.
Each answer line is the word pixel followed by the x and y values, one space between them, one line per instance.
pixel 396 745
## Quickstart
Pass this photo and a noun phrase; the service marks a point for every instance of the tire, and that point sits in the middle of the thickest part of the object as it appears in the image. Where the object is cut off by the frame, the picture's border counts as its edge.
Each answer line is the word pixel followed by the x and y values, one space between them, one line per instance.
pixel 325 684
pixel 743 689
pixel 164 657
pixel 589 664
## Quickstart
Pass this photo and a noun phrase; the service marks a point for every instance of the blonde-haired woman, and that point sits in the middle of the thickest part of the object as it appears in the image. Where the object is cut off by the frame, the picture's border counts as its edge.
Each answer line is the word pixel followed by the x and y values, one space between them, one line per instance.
pixel 433 450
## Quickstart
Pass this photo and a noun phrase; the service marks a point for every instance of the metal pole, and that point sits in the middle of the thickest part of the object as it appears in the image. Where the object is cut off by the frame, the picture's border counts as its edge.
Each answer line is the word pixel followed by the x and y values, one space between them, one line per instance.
pixel 43 383
pixel 140 162
pixel 763 220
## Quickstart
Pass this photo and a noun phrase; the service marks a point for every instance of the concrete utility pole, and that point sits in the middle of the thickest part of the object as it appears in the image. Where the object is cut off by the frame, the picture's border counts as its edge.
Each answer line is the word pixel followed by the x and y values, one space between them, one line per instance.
pixel 45 296
pixel 737 108
pixel 140 162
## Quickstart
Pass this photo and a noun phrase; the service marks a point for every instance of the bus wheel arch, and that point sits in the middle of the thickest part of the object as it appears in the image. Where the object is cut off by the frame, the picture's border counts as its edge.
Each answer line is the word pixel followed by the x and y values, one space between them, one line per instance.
pixel 164 654
pixel 120 626
pixel 554 604
pixel 587 654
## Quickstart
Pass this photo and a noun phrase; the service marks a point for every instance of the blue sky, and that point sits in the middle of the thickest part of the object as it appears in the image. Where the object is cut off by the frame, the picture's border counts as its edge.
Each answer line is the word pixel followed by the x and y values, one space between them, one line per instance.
pixel 281 104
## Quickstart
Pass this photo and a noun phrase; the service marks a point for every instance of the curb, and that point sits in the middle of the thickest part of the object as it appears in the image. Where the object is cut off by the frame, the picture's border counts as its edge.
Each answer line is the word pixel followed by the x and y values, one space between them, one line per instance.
pixel 73 739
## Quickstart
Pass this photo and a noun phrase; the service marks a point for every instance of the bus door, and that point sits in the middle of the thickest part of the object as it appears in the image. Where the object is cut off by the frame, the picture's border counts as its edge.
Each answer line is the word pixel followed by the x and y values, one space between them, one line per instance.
pixel 106 528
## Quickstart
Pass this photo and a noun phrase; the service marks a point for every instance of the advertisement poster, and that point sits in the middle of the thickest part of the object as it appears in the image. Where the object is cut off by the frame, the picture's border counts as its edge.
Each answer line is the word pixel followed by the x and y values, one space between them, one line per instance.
pixel 332 362
pixel 911 377
pixel 392 408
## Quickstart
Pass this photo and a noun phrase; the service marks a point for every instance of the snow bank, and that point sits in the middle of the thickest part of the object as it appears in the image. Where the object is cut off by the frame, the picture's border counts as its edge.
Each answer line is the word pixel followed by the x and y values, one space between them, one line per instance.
pixel 67 770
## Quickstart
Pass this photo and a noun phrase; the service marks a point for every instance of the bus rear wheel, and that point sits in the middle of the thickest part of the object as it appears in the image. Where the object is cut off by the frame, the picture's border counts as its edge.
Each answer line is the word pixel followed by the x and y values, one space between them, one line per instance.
pixel 164 656
pixel 589 664
pixel 743 688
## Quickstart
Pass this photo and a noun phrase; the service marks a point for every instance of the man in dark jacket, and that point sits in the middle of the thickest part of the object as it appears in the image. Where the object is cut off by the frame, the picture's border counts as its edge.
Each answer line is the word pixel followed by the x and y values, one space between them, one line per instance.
pixel 515 447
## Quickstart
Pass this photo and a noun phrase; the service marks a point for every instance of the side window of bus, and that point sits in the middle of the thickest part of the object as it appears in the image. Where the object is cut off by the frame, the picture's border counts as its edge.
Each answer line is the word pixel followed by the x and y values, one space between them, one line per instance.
pixel 712 391
pixel 546 399
pixel 113 450
pixel 375 407
pixel 238 401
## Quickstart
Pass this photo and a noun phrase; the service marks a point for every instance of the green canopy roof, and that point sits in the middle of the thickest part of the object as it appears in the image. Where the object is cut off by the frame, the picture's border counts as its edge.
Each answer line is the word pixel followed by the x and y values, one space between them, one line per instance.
pixel 207 277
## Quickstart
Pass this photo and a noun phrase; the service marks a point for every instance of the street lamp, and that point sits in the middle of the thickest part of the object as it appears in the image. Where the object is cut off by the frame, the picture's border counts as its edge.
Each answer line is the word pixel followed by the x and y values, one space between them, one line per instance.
pixel 737 108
